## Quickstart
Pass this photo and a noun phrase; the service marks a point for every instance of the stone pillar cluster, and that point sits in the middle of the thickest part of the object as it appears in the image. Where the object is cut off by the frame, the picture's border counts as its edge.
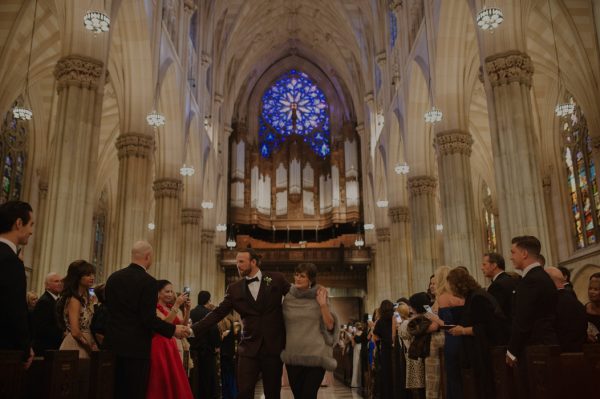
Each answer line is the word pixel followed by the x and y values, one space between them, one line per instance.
pixel 191 221
pixel 401 251
pixel 167 257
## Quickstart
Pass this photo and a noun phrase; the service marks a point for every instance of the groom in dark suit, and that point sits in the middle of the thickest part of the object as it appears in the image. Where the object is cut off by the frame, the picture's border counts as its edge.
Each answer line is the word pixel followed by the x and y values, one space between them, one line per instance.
pixel 131 296
pixel 257 298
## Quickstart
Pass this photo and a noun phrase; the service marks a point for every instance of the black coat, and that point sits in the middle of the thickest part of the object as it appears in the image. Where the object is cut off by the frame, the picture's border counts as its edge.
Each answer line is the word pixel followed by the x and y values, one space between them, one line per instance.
pixel 47 335
pixel 206 343
pixel 14 326
pixel 503 289
pixel 571 322
pixel 131 296
pixel 535 312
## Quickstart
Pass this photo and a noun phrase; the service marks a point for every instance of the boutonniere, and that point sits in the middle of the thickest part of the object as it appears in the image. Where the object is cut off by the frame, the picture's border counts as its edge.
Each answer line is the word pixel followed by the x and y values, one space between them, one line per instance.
pixel 268 280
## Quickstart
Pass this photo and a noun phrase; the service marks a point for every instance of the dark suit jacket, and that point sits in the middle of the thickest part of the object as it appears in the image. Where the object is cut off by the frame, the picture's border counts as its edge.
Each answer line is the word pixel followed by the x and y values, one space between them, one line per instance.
pixel 46 332
pixel 131 296
pixel 571 322
pixel 14 326
pixel 262 319
pixel 503 289
pixel 535 312
pixel 207 343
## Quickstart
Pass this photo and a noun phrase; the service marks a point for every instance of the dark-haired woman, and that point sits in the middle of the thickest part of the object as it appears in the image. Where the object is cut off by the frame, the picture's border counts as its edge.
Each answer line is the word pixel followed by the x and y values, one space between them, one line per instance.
pixel 481 326
pixel 382 335
pixel 167 376
pixel 76 311
pixel 592 308
pixel 311 331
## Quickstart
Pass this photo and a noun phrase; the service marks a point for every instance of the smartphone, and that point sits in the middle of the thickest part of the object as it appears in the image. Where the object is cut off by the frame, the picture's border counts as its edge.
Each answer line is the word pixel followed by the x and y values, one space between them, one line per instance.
pixel 427 308
pixel 91 291
pixel 370 317
pixel 447 326
pixel 187 291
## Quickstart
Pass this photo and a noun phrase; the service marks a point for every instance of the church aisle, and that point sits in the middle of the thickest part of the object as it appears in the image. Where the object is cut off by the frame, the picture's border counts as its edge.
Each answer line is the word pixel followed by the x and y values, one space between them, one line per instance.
pixel 337 391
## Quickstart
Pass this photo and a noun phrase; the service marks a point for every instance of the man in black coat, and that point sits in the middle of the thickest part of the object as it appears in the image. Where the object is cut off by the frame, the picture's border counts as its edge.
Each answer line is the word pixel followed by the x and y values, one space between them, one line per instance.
pixel 204 346
pixel 535 302
pixel 47 335
pixel 503 286
pixel 571 318
pixel 16 226
pixel 131 296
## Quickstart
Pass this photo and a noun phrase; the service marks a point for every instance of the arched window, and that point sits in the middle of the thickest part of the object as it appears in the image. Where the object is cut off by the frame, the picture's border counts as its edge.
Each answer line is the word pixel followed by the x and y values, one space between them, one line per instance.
pixel 489 220
pixel 13 141
pixel 581 178
pixel 393 28
pixel 294 105
pixel 99 236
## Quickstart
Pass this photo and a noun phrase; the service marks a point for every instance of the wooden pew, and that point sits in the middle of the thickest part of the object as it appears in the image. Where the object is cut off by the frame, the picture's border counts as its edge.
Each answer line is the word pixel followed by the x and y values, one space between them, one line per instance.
pixel 543 371
pixel 591 354
pixel 59 380
pixel 504 377
pixel 574 375
pixel 12 374
pixel 102 375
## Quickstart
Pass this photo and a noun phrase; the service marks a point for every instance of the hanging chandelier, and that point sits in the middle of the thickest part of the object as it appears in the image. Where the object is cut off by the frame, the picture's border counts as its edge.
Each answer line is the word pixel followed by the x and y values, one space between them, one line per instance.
pixel 433 116
pixel 359 242
pixel 155 119
pixel 369 226
pixel 382 204
pixel 187 170
pixel 151 226
pixel 96 22
pixel 489 18
pixel 564 109
pixel 20 111
pixel 221 227
pixel 231 243
pixel 207 205
pixel 402 169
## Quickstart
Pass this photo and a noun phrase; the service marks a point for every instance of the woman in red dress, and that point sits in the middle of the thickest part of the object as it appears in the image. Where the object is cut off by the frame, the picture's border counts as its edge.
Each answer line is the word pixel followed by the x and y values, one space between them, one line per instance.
pixel 167 376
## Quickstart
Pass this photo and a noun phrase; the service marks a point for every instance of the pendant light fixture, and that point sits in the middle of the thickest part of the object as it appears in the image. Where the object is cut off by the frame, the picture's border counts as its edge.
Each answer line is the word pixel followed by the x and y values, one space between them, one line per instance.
pixel 154 118
pixel 434 115
pixel 489 18
pixel 562 109
pixel 20 111
pixel 96 21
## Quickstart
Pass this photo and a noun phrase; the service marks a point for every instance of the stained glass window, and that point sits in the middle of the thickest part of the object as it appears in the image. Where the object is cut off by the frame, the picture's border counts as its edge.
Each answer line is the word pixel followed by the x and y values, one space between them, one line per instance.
pixel 581 178
pixel 13 139
pixel 393 28
pixel 98 250
pixel 294 104
pixel 489 218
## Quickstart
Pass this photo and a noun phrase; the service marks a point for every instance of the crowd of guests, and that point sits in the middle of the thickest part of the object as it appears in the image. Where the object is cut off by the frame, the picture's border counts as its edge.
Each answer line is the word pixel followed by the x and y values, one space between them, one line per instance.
pixel 397 353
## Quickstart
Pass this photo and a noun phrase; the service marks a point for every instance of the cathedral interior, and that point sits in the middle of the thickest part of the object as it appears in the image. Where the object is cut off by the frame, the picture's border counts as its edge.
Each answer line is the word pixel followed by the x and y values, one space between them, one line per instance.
pixel 378 139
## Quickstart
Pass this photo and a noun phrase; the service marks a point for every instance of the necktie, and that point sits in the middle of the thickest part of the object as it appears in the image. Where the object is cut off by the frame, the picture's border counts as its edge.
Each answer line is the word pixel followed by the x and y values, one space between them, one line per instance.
pixel 251 280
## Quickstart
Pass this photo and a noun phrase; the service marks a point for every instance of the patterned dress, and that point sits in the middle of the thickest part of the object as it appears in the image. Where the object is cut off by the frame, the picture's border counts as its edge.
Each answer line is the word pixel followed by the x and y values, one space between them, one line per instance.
pixel 86 312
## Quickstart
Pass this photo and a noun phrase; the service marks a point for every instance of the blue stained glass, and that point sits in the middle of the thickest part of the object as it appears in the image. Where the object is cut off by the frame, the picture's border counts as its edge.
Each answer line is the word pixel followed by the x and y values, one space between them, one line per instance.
pixel 393 28
pixel 294 105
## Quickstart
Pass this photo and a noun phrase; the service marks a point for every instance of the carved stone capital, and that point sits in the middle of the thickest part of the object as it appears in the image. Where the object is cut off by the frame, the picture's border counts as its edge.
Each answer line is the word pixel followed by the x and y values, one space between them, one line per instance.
pixel 191 216
pixel 134 145
pixel 453 142
pixel 208 236
pixel 422 185
pixel 167 188
pixel 78 70
pixel 383 234
pixel 399 214
pixel 511 66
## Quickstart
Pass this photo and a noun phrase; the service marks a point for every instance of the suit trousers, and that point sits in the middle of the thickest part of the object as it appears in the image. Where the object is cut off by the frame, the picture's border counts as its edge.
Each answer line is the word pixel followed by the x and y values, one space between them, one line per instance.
pixel 271 368
pixel 207 376
pixel 131 379
pixel 305 381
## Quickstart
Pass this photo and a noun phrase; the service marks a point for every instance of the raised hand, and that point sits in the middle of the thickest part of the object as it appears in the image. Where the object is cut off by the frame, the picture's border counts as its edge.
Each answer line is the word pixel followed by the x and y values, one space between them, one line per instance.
pixel 322 296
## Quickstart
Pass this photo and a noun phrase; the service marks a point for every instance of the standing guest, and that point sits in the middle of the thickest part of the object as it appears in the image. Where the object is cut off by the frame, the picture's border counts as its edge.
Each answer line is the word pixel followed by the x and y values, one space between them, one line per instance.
pixel 75 312
pixel 167 376
pixel 535 306
pixel 503 285
pixel 204 346
pixel 131 301
pixel 592 308
pixel 47 335
pixel 482 325
pixel 357 340
pixel 257 298
pixel 100 319
pixel 382 335
pixel 571 320
pixel 16 226
pixel 567 275
pixel 311 331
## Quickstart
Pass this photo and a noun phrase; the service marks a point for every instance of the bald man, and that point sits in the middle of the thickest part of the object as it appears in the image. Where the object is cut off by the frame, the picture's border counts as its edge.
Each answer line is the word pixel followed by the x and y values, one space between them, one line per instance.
pixel 131 296
pixel 571 320
pixel 47 335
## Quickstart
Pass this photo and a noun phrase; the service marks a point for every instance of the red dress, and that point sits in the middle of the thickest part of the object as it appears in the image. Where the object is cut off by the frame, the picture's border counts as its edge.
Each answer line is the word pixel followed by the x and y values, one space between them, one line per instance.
pixel 167 377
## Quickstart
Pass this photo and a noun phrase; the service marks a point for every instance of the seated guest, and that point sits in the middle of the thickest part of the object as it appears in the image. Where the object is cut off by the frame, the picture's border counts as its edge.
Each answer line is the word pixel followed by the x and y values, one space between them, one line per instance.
pixel 481 326
pixel 571 320
pixel 592 308
pixel 47 335
pixel 100 319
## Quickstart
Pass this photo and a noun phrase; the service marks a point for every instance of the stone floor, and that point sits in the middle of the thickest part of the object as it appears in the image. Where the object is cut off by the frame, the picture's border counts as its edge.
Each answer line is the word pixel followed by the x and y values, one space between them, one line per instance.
pixel 337 391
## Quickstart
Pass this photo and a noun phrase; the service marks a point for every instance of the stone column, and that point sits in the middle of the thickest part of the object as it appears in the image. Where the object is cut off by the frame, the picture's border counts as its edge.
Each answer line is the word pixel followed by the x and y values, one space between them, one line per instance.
pixel 461 246
pixel 208 266
pixel 384 280
pixel 400 253
pixel 135 175
pixel 515 147
pixel 422 214
pixel 191 221
pixel 39 272
pixel 167 257
pixel 68 228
